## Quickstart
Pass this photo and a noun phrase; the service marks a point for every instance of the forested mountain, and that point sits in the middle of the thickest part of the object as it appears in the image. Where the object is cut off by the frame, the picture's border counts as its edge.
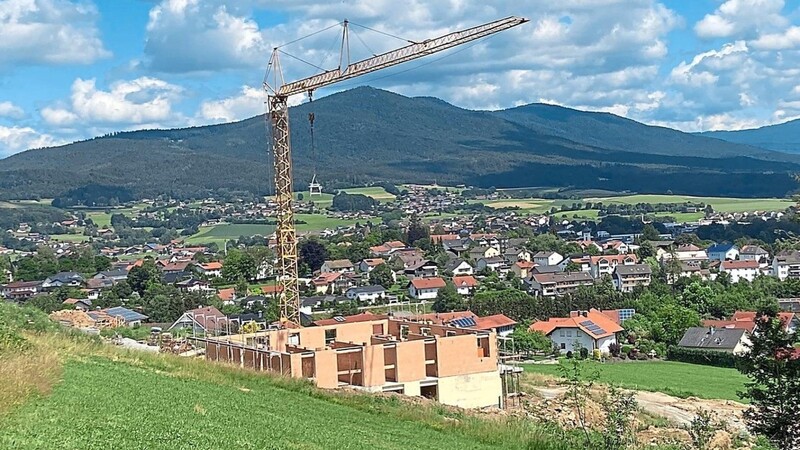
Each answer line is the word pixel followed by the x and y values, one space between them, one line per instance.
pixel 784 137
pixel 367 134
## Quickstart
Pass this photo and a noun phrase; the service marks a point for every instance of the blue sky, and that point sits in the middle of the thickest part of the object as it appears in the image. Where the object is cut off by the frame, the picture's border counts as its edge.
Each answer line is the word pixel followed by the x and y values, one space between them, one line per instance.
pixel 73 69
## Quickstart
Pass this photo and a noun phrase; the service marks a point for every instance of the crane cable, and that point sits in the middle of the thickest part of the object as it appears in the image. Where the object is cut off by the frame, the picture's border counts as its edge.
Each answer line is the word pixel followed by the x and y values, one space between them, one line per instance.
pixel 313 144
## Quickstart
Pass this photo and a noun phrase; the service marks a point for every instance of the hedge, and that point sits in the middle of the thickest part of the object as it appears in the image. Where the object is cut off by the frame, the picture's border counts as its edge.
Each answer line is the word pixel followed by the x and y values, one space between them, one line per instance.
pixel 707 357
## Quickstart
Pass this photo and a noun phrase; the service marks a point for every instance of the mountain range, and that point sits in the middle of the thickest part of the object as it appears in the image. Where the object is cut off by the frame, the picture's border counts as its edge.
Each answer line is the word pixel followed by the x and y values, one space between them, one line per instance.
pixel 369 135
pixel 784 137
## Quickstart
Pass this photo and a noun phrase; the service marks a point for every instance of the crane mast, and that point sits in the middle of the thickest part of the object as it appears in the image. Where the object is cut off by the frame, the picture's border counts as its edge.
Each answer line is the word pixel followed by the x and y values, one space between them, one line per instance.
pixel 278 121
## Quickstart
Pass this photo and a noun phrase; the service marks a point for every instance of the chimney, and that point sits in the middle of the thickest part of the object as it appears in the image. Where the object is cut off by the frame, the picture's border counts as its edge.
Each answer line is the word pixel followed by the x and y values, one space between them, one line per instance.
pixel 711 329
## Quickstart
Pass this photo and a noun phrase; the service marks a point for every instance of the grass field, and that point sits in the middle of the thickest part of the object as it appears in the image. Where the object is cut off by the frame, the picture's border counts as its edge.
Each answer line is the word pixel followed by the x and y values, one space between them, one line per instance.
pixel 319 222
pixel 674 378
pixel 69 237
pixel 720 204
pixel 219 234
pixel 68 392
pixel 376 192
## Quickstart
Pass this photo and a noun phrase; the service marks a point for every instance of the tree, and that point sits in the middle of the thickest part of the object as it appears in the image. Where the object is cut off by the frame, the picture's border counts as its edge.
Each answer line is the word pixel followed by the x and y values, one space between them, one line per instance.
pixel 417 230
pixel 5 269
pixel 672 321
pixel 527 341
pixel 649 233
pixel 313 254
pixel 448 299
pixel 698 296
pixel 242 289
pixel 772 364
pixel 646 250
pixel 571 266
pixel 47 303
pixel 140 278
pixel 239 265
pixel 382 275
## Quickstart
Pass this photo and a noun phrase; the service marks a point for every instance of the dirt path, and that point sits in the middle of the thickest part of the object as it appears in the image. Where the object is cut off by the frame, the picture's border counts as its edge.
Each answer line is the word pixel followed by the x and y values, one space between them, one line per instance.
pixel 677 410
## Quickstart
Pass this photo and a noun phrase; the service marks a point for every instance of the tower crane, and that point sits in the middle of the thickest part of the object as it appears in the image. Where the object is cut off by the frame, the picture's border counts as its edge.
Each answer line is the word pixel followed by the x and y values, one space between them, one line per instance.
pixel 278 121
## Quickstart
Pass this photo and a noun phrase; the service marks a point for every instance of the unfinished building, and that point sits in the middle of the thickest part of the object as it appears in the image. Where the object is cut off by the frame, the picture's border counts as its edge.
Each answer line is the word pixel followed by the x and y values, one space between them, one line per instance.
pixel 454 366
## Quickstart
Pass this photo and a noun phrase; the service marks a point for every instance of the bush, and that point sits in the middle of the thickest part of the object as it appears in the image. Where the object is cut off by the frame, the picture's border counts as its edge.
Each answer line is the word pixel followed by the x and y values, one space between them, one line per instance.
pixel 705 357
pixel 584 352
pixel 626 349
pixel 11 341
pixel 614 349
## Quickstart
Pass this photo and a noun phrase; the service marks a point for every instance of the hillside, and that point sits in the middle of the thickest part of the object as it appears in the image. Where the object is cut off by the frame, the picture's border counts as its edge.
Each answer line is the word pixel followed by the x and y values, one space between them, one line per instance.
pixel 367 134
pixel 61 390
pixel 784 137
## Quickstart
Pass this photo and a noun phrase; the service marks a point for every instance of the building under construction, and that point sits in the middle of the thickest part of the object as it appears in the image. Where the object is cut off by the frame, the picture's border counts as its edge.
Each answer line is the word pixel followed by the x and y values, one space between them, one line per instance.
pixel 455 366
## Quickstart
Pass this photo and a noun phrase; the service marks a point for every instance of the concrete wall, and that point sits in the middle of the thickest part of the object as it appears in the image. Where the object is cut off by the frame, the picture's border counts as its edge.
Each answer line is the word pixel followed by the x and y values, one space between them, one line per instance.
pixel 477 390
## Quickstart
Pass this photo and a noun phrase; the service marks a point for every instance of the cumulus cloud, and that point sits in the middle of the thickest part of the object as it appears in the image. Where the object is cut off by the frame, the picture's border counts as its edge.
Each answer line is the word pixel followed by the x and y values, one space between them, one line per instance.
pixel 192 36
pixel 249 103
pixel 15 139
pixel 788 39
pixel 741 17
pixel 143 101
pixel 49 32
pixel 11 111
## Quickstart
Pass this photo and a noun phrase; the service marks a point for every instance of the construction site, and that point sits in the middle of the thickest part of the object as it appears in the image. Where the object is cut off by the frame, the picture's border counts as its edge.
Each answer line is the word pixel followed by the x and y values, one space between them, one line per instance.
pixel 455 366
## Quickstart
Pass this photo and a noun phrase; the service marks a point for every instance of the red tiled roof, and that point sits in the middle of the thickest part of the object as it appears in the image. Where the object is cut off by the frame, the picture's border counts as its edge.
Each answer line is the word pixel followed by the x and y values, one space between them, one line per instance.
pixel 226 294
pixel 272 289
pixel 326 278
pixel 600 319
pixel 428 283
pixel 730 265
pixel 437 238
pixel 525 264
pixel 214 265
pixel 465 281
pixel 494 322
pixel 618 258
pixel 748 325
pixel 373 262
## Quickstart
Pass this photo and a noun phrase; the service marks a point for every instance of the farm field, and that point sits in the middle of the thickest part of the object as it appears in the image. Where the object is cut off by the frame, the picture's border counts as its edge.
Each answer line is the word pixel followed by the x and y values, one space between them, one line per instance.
pixel 673 378
pixel 69 237
pixel 319 222
pixel 376 192
pixel 219 234
pixel 720 204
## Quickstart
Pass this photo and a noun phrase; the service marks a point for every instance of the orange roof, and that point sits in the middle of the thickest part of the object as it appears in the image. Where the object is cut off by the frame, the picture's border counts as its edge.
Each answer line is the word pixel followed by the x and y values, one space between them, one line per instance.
pixel 226 294
pixel 72 301
pixel 272 289
pixel 730 265
pixel 522 264
pixel 214 265
pixel 601 320
pixel 465 281
pixel 137 263
pixel 428 283
pixel 372 262
pixel 326 278
pixel 618 258
pixel 363 317
pixel 494 322
pixel 748 325
pixel 437 238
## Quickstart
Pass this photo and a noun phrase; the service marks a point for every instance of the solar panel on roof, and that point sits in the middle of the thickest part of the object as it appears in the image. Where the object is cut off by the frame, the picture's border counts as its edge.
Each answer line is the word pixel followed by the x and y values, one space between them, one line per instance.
pixel 339 319
pixel 464 322
pixel 593 327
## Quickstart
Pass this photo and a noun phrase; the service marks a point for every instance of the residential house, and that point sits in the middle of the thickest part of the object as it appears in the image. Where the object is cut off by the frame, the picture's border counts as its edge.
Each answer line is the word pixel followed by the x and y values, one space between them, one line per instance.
pixel 627 277
pixel 112 276
pixel 689 252
pixel 63 279
pixel 425 288
pixel 207 320
pixel 387 248
pixel 584 262
pixel 195 285
pixel 514 254
pixel 337 266
pixel 465 284
pixel 605 264
pixel 746 320
pixel 616 246
pixel 494 264
pixel 786 265
pixel 126 316
pixel 424 268
pixel 522 269
pixel 366 294
pixel 588 329
pixel 272 291
pixel 333 282
pixel 730 340
pixel 547 258
pixel 457 267
pixel 723 252
pixel 754 253
pixel 210 269
pixel 227 296
pixel 81 304
pixel 457 247
pixel 369 264
pixel 477 253
pixel 498 323
pixel 554 284
pixel 21 290
pixel 740 270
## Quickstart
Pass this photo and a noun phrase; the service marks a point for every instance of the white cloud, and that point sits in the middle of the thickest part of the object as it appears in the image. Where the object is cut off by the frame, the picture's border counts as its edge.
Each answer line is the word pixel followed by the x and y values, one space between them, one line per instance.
pixel 143 101
pixel 11 111
pixel 788 39
pixel 15 139
pixel 688 73
pixel 192 36
pixel 249 103
pixel 740 18
pixel 49 32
